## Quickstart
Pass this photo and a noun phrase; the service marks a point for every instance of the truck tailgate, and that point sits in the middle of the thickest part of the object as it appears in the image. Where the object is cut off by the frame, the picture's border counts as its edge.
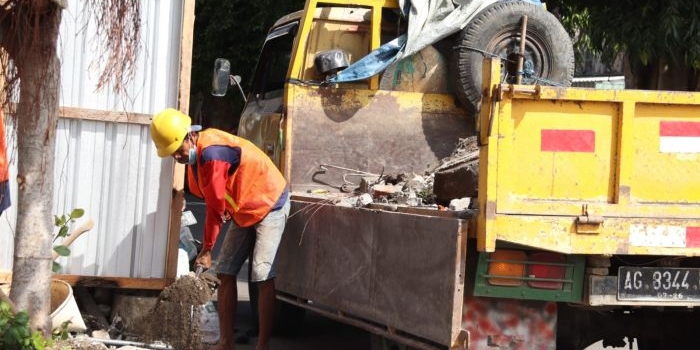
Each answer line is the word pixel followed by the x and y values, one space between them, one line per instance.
pixel 402 271
pixel 590 171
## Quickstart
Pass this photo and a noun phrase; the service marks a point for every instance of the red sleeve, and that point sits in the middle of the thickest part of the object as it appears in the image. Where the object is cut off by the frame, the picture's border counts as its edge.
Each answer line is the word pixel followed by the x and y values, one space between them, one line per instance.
pixel 213 186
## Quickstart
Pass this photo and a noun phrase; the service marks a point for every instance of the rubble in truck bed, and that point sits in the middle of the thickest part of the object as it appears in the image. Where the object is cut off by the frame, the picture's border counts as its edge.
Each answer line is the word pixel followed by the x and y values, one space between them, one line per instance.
pixel 450 185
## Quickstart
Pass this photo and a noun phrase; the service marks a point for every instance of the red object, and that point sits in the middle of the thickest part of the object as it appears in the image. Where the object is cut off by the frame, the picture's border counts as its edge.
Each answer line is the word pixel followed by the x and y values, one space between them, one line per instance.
pixel 546 271
pixel 692 237
pixel 553 140
pixel 679 129
pixel 4 169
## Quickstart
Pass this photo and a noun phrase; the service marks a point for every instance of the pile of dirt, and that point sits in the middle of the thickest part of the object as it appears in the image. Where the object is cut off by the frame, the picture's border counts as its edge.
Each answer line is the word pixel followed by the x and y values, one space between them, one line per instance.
pixel 175 317
pixel 187 290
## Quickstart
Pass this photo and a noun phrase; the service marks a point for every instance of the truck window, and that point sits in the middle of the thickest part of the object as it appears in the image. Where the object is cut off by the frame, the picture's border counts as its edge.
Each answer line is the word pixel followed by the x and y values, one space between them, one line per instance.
pixel 271 72
pixel 347 29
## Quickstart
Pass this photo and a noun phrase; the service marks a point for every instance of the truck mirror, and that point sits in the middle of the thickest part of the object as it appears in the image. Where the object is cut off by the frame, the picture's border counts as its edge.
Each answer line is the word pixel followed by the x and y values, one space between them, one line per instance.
pixel 330 62
pixel 220 79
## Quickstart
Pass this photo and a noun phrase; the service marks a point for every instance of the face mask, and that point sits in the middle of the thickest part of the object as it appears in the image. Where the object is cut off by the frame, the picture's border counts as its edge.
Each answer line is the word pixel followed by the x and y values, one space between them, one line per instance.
pixel 193 156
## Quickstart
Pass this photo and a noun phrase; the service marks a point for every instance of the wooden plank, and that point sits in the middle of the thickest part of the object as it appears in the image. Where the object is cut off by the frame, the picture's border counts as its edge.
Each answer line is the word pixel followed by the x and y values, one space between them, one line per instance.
pixel 92 281
pixel 174 227
pixel 5 277
pixel 106 116
pixel 179 169
pixel 116 282
pixel 186 55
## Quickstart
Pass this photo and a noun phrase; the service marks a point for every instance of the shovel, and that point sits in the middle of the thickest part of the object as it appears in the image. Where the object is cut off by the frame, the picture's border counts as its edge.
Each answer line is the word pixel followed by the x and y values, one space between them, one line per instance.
pixel 208 278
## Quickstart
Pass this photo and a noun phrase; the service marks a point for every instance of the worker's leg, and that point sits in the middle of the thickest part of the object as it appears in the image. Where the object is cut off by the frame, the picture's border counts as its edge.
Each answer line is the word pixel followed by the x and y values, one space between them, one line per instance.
pixel 267 240
pixel 227 299
pixel 266 312
pixel 234 251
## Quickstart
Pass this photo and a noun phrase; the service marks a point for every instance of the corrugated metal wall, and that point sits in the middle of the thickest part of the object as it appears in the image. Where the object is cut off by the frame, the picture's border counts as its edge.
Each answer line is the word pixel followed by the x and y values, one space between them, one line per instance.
pixel 111 169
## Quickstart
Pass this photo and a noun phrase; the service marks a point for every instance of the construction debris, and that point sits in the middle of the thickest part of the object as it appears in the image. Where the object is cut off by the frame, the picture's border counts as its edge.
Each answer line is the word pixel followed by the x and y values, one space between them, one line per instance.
pixel 178 308
pixel 448 186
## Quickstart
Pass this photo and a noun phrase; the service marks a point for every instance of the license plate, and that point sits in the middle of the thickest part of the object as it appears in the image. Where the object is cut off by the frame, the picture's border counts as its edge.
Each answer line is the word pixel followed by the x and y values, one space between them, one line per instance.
pixel 658 283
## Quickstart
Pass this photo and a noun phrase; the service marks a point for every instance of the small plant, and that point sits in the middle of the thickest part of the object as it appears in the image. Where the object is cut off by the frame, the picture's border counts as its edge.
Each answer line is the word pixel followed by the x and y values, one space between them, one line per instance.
pixel 15 333
pixel 62 222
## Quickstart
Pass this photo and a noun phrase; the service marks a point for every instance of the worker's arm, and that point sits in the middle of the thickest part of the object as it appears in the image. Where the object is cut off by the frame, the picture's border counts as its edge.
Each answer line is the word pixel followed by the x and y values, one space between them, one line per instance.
pixel 217 163
pixel 213 186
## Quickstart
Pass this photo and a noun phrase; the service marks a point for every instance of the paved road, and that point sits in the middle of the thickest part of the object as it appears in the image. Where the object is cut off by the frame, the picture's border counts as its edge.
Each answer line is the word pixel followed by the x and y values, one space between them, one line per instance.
pixel 316 333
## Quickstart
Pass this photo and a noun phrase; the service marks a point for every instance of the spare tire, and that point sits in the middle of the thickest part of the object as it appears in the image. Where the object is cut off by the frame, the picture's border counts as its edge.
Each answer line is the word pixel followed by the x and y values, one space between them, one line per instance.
pixel 495 31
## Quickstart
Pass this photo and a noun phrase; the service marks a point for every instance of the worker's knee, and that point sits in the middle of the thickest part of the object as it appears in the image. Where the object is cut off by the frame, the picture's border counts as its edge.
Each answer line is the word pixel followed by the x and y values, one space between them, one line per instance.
pixel 224 278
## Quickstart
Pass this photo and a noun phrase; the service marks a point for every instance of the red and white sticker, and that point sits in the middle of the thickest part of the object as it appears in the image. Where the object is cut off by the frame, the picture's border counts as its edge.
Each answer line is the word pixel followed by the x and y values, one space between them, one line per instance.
pixel 679 137
pixel 558 140
pixel 664 236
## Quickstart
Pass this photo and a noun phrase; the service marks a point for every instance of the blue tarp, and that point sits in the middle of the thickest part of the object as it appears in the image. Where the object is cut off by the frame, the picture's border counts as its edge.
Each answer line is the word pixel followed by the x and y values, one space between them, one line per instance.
pixel 428 22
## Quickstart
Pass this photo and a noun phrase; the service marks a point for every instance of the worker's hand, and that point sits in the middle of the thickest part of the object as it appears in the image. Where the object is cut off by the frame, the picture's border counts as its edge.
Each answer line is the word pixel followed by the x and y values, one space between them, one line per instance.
pixel 203 259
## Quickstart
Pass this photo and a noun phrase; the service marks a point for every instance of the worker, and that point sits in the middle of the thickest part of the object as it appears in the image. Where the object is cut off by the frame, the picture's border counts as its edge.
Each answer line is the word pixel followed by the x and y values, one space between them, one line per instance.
pixel 4 168
pixel 237 181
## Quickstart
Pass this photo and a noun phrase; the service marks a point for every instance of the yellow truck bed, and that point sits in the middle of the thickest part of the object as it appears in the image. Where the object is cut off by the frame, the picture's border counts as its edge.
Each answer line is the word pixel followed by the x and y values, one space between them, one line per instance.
pixel 583 171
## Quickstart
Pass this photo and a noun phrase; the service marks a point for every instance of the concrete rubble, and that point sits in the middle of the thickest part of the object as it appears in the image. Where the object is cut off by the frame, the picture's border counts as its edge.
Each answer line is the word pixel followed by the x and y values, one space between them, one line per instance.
pixel 451 185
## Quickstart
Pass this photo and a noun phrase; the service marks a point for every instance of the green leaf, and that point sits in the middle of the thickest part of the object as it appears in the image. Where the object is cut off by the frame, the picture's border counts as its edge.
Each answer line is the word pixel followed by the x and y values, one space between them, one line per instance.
pixel 22 318
pixel 38 341
pixel 56 267
pixel 63 231
pixel 77 213
pixel 60 221
pixel 61 250
pixel 13 335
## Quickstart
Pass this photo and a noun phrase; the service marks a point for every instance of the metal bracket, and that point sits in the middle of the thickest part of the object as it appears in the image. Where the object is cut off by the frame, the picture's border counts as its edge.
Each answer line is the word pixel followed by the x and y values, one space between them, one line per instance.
pixel 587 223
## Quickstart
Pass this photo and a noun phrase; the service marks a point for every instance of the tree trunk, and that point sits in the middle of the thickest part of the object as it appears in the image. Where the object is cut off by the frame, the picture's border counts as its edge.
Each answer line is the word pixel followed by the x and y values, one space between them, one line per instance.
pixel 37 116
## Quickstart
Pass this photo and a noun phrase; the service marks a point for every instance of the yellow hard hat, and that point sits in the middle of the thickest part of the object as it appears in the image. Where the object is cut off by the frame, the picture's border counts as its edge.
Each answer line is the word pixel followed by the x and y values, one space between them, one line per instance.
pixel 168 130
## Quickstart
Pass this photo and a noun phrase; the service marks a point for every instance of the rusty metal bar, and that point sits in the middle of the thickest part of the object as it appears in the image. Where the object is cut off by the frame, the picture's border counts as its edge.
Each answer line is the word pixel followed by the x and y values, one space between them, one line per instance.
pixel 340 316
pixel 521 53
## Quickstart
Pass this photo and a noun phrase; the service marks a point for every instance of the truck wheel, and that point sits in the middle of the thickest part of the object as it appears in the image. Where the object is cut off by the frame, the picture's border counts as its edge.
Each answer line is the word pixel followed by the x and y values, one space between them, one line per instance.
pixel 549 53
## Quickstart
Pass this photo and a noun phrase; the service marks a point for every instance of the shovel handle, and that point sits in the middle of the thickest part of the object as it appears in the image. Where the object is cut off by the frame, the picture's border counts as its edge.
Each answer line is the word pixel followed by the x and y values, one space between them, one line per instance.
pixel 86 226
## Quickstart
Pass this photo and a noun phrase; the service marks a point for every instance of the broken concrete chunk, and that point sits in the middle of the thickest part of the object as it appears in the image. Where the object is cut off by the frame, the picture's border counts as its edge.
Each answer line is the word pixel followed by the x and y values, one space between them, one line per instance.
pixel 460 204
pixel 363 200
pixel 366 183
pixel 100 334
pixel 456 180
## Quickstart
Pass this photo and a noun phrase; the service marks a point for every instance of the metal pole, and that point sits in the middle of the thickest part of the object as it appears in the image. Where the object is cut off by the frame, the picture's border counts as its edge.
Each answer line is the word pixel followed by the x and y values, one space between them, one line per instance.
pixel 355 322
pixel 521 53
pixel 129 343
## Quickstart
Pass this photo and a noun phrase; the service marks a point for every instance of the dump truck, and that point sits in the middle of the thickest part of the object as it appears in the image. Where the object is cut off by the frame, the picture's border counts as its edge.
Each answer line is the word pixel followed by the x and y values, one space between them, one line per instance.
pixel 585 225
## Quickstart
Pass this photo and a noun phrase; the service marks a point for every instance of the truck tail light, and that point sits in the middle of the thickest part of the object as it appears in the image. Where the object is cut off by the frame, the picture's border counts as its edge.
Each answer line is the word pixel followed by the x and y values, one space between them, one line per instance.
pixel 548 268
pixel 507 268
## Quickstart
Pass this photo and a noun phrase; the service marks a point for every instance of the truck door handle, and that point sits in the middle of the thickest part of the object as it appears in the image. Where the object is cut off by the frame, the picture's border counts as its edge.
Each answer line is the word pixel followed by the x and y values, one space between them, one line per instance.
pixel 591 220
pixel 589 224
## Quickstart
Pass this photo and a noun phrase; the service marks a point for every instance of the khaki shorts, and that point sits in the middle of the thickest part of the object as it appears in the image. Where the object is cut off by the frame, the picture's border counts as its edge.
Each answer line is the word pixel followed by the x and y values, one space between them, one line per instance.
pixel 261 239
